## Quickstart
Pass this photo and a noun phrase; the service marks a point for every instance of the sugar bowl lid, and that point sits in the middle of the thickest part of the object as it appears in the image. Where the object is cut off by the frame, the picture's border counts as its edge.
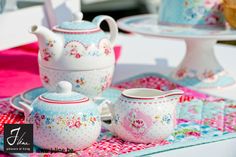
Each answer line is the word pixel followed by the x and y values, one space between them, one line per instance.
pixel 77 24
pixel 63 95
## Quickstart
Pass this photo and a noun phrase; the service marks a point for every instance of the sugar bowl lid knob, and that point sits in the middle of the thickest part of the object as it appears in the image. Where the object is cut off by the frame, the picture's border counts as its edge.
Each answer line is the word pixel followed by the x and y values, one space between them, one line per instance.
pixel 64 87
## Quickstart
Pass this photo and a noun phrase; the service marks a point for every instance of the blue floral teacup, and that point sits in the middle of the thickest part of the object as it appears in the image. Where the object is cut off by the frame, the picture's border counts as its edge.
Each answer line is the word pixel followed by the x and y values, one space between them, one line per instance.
pixel 192 12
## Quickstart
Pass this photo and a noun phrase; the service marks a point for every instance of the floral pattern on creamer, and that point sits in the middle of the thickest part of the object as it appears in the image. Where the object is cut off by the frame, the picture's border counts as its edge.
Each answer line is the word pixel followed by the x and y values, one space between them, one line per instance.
pixel 137 123
pixel 116 118
pixel 165 119
pixel 64 122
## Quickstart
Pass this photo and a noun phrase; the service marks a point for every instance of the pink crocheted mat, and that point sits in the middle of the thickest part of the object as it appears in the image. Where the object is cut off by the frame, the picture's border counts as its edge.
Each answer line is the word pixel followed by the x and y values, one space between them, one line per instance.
pixel 201 118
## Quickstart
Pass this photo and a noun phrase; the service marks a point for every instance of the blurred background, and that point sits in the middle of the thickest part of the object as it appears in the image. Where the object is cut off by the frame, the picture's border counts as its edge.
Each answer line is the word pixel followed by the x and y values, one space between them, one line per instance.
pixel 91 8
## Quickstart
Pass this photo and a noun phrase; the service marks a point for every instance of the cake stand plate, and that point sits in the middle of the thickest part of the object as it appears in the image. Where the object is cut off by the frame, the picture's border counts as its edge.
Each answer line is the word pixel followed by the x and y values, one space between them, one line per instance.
pixel 199 68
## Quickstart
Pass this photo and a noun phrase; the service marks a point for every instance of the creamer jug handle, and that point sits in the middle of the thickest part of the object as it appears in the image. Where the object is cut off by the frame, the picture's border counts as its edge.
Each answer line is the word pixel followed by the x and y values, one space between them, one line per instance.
pixel 102 102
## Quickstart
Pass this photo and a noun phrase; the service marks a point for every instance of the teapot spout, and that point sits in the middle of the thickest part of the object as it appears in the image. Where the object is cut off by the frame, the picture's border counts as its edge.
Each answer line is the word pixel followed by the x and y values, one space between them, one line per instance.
pixel 48 41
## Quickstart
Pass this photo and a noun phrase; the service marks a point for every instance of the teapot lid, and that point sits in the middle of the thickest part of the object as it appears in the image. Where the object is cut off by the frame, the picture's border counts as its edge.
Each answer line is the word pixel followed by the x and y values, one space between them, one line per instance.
pixel 77 24
pixel 63 95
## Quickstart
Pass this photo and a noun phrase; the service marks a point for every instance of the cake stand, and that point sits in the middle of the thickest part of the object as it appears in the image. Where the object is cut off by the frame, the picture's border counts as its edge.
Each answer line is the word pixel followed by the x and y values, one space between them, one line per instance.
pixel 199 68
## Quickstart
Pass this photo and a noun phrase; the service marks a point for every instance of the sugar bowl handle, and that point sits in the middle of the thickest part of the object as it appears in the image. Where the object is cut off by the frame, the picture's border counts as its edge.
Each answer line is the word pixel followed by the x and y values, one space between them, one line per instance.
pixel 111 23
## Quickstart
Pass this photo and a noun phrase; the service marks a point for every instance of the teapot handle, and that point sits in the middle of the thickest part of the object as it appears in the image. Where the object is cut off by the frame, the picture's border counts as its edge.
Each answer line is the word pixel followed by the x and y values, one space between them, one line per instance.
pixel 111 23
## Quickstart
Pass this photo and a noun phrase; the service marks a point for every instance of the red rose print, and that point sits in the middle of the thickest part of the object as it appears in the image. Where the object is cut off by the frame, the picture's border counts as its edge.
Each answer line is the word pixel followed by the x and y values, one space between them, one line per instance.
pixel 46 79
pixel 138 123
pixel 77 55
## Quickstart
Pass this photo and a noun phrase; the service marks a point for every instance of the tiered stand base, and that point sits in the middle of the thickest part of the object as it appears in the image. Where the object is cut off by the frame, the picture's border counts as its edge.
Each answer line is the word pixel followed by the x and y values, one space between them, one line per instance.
pixel 199 68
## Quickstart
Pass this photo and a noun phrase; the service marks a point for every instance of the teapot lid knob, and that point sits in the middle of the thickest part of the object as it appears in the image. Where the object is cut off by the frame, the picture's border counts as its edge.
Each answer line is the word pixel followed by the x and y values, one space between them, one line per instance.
pixel 64 87
pixel 78 16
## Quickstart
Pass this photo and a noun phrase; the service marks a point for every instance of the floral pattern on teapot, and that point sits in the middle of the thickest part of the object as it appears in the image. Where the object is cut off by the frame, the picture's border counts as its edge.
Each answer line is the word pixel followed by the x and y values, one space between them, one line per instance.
pixel 80 82
pixel 47 54
pixel 77 50
pixel 45 79
pixel 105 82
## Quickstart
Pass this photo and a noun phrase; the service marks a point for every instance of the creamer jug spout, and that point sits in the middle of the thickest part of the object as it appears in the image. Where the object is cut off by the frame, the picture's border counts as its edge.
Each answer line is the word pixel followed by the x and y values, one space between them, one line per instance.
pixel 174 95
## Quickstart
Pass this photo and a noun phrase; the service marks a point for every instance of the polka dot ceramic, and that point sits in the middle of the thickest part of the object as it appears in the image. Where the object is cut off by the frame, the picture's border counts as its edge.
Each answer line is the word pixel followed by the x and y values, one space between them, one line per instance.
pixel 61 116
pixel 76 46
pixel 90 82
pixel 192 12
pixel 144 115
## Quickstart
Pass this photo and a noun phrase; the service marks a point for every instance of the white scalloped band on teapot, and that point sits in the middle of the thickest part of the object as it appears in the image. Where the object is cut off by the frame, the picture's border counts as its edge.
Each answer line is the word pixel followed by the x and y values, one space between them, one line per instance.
pixel 77 45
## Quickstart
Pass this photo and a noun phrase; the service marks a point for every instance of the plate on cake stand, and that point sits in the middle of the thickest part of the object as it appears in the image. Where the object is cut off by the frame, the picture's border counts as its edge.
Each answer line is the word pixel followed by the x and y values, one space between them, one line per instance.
pixel 29 96
pixel 199 69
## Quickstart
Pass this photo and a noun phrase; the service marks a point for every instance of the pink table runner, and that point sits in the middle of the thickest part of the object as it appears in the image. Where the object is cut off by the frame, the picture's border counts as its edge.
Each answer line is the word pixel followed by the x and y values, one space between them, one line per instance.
pixel 199 116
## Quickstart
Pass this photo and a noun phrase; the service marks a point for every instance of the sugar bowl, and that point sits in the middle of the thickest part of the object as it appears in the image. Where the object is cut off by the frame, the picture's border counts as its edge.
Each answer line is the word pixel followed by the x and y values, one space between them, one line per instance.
pixel 63 119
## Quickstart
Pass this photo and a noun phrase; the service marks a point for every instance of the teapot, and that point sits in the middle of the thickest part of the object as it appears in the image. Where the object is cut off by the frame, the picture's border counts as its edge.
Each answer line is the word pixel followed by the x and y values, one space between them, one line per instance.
pixel 144 115
pixel 79 52
pixel 63 119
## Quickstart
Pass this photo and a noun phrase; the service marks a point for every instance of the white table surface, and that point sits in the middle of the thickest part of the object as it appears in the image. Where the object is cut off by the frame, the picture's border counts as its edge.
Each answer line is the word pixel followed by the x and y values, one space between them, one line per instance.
pixel 149 54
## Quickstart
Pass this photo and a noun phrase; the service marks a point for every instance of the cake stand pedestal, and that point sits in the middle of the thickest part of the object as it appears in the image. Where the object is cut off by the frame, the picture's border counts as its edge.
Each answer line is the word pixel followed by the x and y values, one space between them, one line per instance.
pixel 199 68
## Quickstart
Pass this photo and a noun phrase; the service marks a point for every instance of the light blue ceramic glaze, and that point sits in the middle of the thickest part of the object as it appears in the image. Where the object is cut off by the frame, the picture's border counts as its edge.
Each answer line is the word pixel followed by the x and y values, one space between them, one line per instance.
pixel 64 102
pixel 77 25
pixel 51 111
pixel 89 32
pixel 86 39
pixel 60 116
pixel 191 12
pixel 73 96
